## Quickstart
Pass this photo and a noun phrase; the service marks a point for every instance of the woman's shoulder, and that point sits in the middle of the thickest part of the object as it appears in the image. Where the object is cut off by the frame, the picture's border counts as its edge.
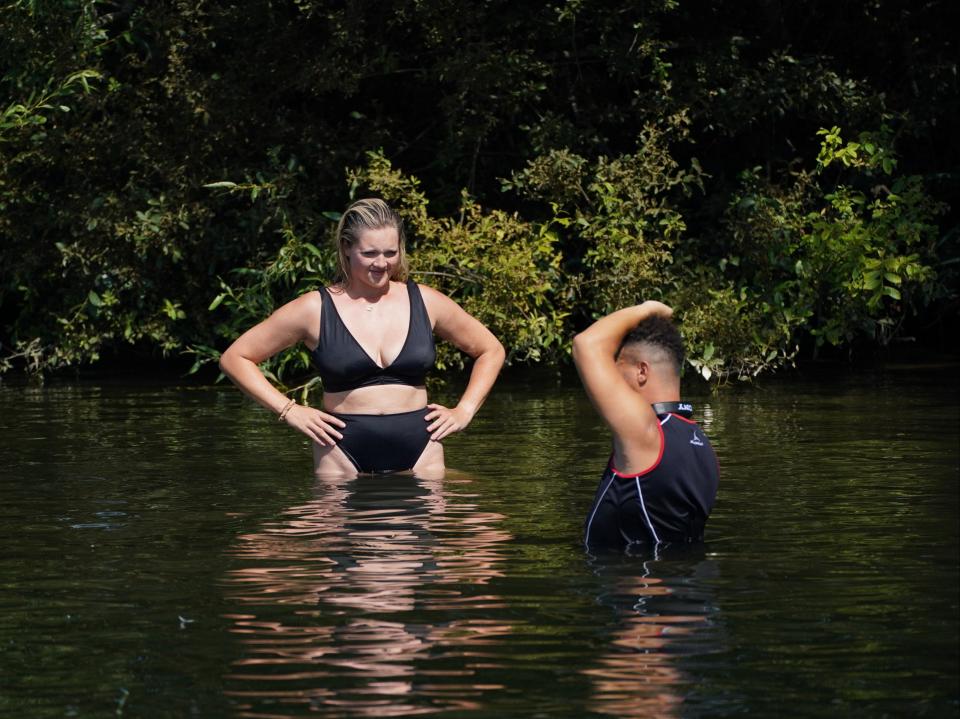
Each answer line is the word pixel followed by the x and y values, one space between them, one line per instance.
pixel 313 296
pixel 429 293
pixel 433 299
pixel 440 307
pixel 309 302
pixel 299 317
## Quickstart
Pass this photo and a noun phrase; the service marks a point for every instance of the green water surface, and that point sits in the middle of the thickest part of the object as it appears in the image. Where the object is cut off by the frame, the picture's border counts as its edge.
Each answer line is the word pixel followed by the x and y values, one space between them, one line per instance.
pixel 167 553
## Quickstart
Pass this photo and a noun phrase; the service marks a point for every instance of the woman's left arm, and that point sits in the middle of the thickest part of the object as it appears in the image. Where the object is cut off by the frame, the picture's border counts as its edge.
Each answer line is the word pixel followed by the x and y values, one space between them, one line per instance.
pixel 454 324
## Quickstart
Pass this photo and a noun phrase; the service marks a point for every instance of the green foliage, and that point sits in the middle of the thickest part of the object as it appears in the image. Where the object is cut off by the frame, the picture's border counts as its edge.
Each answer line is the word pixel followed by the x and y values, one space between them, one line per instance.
pixel 250 294
pixel 729 332
pixel 503 270
pixel 623 222
pixel 299 267
pixel 828 258
pixel 157 158
pixel 32 113
pixel 628 222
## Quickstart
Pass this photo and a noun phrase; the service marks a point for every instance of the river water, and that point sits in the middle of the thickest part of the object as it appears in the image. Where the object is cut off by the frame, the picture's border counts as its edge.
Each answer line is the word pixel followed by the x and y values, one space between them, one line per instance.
pixel 167 553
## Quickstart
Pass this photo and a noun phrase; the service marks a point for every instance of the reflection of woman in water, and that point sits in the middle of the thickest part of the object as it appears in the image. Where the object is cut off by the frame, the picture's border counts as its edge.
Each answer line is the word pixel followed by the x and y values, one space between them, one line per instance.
pixel 346 604
pixel 371 337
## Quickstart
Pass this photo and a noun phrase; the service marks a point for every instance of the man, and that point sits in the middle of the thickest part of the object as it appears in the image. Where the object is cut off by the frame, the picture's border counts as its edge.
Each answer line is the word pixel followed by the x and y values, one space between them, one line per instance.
pixel 661 481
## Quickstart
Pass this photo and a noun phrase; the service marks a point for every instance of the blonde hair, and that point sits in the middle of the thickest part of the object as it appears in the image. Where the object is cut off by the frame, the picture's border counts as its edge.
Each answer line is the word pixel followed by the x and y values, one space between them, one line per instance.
pixel 369 214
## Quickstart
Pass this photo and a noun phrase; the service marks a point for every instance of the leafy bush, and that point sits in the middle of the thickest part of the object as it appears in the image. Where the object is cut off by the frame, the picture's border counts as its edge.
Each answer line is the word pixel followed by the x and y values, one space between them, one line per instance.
pixel 843 260
pixel 158 158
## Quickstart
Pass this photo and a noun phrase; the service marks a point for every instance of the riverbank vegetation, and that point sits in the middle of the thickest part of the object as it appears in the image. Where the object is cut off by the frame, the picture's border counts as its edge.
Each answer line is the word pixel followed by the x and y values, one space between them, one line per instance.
pixel 783 174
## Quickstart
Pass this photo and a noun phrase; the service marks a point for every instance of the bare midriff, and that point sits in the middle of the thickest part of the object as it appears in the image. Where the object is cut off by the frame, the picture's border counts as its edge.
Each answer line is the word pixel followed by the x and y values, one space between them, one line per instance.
pixel 376 399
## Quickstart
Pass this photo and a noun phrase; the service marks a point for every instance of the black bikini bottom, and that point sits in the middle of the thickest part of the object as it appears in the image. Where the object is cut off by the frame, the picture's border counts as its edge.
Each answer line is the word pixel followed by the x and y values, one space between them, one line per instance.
pixel 384 442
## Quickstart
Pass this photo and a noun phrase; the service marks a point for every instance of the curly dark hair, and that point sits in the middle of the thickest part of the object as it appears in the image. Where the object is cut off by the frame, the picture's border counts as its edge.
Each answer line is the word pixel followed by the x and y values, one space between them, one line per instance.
pixel 661 333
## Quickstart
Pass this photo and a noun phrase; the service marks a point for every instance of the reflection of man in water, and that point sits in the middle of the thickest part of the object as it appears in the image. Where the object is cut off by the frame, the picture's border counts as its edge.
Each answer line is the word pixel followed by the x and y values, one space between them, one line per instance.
pixel 661 481
pixel 662 606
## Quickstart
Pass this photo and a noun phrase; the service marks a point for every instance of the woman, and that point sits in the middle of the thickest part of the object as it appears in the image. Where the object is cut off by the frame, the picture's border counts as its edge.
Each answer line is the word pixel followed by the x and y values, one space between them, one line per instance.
pixel 371 337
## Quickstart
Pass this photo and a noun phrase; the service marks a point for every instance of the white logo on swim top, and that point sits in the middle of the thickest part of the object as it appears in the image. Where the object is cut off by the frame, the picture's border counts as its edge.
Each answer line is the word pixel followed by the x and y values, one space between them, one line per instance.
pixel 696 439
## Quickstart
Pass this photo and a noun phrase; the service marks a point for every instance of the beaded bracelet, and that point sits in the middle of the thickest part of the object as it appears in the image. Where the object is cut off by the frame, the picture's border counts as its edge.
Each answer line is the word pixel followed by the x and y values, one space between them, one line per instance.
pixel 286 408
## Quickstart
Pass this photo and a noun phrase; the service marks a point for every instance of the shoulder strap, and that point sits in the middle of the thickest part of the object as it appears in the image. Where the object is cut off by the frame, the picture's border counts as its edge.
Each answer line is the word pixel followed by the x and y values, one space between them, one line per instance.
pixel 329 316
pixel 416 300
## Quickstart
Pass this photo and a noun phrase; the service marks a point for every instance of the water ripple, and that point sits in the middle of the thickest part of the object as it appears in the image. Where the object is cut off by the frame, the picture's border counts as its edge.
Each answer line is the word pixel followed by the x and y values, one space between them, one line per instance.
pixel 385 578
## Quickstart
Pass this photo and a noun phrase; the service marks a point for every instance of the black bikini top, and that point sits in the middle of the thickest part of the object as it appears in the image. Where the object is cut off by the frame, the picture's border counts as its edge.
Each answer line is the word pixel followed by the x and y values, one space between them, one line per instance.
pixel 344 365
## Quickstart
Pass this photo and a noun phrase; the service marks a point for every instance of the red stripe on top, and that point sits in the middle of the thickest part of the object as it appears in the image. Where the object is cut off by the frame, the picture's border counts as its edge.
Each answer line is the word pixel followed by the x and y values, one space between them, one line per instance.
pixel 648 469
pixel 684 419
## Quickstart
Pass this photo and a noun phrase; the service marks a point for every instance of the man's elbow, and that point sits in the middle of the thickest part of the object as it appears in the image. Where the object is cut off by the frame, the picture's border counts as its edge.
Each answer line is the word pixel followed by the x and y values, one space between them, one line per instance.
pixel 578 348
pixel 226 363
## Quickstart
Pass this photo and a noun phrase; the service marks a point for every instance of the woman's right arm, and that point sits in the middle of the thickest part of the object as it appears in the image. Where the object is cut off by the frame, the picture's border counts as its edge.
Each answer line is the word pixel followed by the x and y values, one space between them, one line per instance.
pixel 296 321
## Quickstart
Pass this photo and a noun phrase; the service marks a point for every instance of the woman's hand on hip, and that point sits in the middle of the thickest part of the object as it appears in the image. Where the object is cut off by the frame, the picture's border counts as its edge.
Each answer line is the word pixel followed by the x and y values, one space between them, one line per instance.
pixel 445 421
pixel 318 426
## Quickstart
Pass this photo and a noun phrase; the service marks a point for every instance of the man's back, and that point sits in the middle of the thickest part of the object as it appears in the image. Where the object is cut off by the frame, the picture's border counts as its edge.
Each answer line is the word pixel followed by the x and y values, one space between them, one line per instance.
pixel 662 477
pixel 667 502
